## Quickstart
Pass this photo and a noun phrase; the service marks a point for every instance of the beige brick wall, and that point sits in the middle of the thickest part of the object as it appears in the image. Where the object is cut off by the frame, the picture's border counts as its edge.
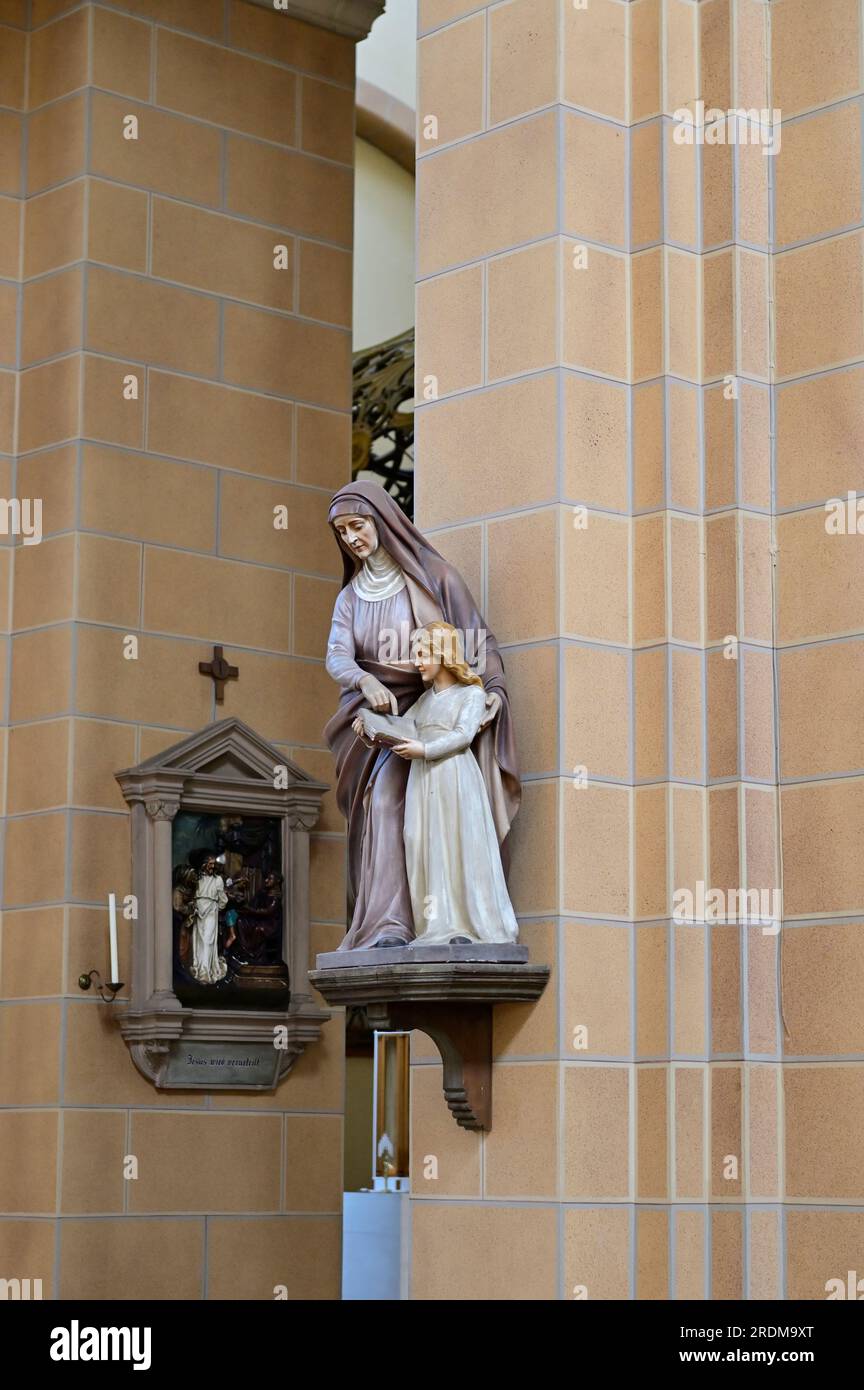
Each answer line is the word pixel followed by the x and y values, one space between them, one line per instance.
pixel 154 257
pixel 557 388
pixel 816 326
pixel 607 387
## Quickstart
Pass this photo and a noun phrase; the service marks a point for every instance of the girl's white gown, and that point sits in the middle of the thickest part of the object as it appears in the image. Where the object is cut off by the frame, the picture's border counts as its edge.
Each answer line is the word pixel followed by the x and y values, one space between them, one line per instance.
pixel 451 849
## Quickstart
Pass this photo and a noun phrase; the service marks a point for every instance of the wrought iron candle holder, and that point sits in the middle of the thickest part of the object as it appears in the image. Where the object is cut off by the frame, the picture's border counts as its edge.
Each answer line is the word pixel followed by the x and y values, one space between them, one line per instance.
pixel 94 978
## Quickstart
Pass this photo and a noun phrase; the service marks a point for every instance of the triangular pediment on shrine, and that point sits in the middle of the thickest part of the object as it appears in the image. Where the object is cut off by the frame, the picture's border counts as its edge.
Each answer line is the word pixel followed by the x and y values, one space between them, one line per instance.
pixel 229 761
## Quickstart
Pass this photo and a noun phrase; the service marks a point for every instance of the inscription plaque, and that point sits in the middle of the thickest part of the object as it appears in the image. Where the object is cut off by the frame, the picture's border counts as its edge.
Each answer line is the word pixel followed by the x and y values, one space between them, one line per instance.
pixel 212 1066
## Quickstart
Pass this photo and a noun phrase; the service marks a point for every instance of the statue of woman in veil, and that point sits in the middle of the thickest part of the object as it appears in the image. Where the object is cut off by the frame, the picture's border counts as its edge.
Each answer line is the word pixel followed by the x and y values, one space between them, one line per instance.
pixel 395 582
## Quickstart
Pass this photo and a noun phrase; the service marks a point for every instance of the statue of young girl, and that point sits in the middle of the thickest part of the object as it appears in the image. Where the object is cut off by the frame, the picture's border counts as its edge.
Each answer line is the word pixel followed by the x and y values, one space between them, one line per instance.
pixel 452 855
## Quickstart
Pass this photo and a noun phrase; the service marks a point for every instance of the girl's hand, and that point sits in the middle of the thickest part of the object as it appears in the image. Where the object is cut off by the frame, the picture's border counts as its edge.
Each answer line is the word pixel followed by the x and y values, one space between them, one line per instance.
pixel 358 726
pixel 411 748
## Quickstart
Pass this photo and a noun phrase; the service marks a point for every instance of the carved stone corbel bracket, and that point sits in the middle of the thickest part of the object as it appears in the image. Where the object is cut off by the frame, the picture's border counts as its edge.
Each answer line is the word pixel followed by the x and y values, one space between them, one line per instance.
pixel 451 1000
pixel 150 1058
pixel 463 1036
pixel 354 18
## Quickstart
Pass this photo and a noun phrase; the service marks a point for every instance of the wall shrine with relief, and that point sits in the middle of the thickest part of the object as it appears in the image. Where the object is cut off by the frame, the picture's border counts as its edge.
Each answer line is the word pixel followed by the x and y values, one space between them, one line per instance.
pixel 220 994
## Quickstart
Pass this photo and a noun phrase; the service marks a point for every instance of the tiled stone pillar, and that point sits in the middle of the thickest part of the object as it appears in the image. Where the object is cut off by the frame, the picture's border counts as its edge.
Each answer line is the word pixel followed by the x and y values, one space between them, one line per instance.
pixel 165 384
pixel 776 578
pixel 674 382
pixel 817 332
pixel 541 473
pixel 724 1136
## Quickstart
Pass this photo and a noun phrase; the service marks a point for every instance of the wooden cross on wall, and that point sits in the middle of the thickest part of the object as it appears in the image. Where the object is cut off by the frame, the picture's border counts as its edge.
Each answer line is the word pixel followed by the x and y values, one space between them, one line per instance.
pixel 219 671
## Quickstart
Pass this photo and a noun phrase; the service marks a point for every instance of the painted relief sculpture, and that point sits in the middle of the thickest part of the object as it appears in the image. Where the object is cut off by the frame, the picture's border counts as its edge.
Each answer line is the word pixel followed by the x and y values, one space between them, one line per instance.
pixel 427 777
pixel 227 910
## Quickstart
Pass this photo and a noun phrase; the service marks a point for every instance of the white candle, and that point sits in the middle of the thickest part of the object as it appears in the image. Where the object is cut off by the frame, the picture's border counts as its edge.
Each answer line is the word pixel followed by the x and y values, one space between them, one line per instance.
pixel 112 934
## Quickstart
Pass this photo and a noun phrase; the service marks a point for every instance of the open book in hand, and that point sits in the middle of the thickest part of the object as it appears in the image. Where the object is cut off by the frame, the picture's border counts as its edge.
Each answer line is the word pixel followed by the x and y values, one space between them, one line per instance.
pixel 386 730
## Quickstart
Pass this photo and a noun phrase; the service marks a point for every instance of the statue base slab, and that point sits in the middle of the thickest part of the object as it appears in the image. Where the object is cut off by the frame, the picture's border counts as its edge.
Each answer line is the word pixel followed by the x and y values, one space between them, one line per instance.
pixel 504 952
pixel 449 998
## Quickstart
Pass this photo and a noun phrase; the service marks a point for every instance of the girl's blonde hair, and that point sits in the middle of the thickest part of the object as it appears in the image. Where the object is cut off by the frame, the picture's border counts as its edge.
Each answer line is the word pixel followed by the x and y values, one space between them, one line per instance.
pixel 446 642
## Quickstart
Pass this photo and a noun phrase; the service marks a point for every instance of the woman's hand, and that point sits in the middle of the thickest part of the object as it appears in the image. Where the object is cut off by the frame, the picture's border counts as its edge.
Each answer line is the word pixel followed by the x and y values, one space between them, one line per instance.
pixel 411 748
pixel 378 696
pixel 493 704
